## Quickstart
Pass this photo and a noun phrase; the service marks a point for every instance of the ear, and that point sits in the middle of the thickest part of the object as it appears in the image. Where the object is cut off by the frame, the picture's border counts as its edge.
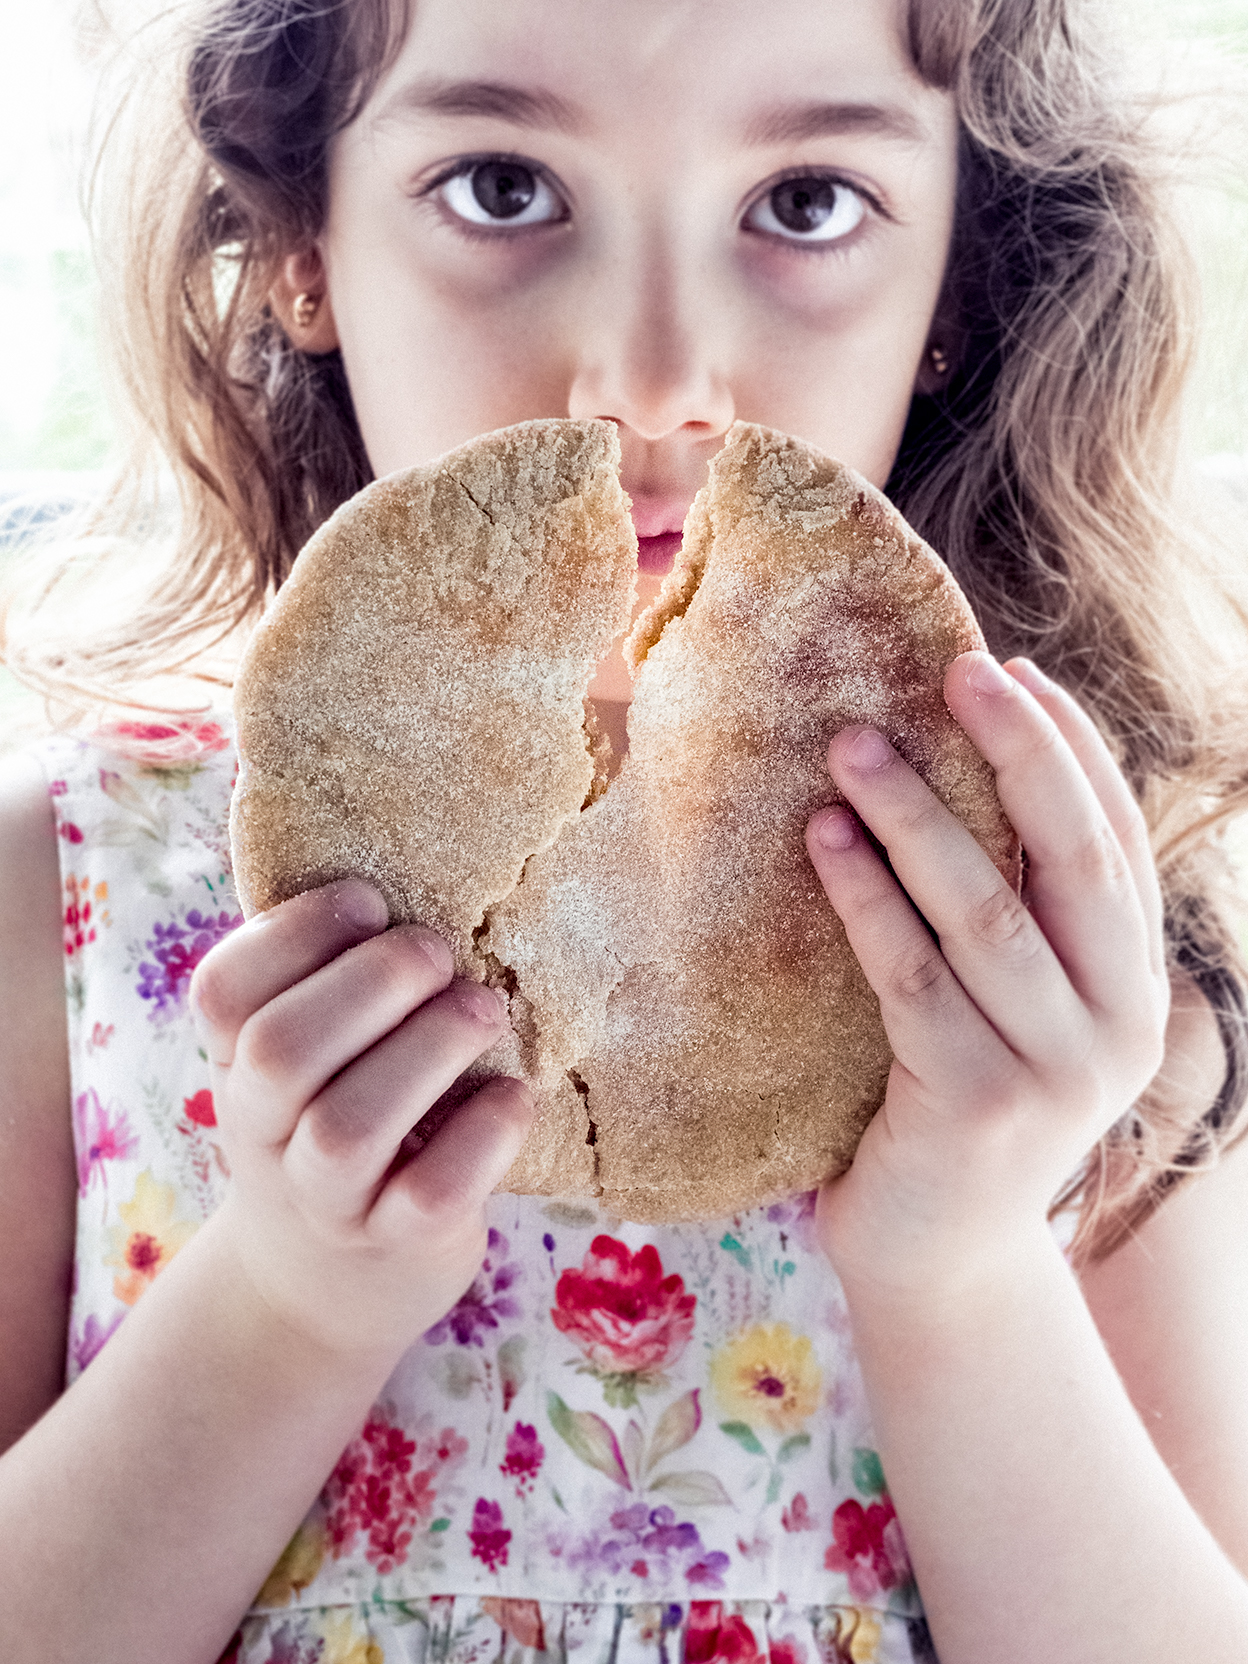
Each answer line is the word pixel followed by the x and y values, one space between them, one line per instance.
pixel 299 297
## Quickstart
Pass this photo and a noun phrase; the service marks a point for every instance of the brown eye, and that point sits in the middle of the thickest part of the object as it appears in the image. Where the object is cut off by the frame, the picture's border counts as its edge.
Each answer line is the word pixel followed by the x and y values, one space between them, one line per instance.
pixel 500 191
pixel 810 209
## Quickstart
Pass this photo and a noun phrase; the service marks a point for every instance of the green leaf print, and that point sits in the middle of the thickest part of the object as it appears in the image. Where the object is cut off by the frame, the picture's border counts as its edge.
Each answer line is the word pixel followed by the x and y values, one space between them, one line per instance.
pixel 868 1474
pixel 440 1525
pixel 589 1438
pixel 739 1253
pixel 789 1449
pixel 693 1490
pixel 743 1435
pixel 677 1425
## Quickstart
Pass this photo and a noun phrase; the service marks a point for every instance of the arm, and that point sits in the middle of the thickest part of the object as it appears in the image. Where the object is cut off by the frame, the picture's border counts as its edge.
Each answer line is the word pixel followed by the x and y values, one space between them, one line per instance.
pixel 1040 1518
pixel 1172 1307
pixel 172 1473
pixel 37 1179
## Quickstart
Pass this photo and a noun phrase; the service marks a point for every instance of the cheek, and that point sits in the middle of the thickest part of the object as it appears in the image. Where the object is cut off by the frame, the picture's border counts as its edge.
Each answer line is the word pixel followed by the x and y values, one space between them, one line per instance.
pixel 835 353
pixel 435 352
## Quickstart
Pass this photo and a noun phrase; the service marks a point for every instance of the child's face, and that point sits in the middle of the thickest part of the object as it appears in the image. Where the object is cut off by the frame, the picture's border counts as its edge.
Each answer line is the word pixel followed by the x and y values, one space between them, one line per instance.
pixel 670 213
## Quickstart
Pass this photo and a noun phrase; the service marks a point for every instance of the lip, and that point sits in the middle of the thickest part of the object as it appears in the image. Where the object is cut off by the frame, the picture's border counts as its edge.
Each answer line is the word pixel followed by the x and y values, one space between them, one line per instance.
pixel 659 523
pixel 657 555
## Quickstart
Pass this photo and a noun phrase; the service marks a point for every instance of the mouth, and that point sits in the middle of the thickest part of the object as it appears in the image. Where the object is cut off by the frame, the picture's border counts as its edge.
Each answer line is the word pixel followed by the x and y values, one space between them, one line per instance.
pixel 657 555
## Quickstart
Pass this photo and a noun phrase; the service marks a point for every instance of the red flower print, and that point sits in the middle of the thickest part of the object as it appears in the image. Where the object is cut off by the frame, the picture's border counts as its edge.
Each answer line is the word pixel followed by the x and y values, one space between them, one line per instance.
pixel 797 1516
pixel 383 1489
pixel 787 1651
pixel 72 834
pixel 525 1454
pixel 199 1109
pixel 868 1547
pixel 627 1318
pixel 710 1638
pixel 79 918
pixel 489 1537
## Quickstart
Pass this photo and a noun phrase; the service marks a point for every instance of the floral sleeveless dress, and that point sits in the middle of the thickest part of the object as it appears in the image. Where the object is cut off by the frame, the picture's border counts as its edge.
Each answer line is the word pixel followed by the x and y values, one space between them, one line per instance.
pixel 623 1444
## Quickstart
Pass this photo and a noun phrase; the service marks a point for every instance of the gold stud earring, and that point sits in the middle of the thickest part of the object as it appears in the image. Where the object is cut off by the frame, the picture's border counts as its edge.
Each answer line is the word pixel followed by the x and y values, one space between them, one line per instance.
pixel 939 360
pixel 305 309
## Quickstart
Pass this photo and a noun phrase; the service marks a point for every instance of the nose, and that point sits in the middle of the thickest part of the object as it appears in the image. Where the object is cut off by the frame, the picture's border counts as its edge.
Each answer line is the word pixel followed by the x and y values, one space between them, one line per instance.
pixel 653 352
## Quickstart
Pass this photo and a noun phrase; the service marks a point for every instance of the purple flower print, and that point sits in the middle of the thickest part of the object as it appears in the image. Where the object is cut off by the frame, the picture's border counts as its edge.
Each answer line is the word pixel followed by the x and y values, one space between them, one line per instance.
pixel 485 1302
pixel 525 1455
pixel 97 1139
pixel 89 1341
pixel 651 1542
pixel 489 1537
pixel 176 949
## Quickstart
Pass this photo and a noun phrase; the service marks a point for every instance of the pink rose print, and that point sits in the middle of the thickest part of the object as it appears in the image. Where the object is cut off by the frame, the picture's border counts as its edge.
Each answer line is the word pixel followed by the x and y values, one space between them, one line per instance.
pixel 489 1537
pixel 627 1318
pixel 162 742
pixel 869 1547
pixel 797 1516
pixel 98 1139
pixel 383 1489
pixel 711 1638
pixel 525 1454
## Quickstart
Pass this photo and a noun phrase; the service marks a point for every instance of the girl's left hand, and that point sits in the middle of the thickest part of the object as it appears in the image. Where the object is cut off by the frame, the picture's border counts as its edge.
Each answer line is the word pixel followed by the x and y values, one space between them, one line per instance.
pixel 1025 1028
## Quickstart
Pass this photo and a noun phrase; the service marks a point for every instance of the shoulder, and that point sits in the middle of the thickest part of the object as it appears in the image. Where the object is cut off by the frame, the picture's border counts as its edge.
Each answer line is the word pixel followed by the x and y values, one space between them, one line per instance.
pixel 37 1174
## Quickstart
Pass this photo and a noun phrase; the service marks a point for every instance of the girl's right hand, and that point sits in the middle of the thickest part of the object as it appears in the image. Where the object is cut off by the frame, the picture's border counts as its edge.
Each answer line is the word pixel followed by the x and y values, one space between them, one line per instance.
pixel 328 1037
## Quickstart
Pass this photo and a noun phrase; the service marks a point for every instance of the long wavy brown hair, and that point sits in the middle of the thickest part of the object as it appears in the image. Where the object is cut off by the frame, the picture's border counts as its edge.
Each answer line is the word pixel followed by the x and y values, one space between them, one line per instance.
pixel 1042 470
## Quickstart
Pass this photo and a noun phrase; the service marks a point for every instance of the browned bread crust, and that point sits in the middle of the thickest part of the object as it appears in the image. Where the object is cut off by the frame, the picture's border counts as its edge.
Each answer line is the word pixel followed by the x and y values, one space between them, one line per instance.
pixel 682 995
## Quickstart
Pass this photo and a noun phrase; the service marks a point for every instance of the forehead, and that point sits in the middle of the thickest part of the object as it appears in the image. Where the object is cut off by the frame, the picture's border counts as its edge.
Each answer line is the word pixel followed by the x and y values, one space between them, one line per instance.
pixel 752 70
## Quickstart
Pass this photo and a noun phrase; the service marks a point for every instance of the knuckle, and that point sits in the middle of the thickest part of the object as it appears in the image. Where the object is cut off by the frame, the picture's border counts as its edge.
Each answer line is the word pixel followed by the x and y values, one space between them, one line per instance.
pixel 268 1047
pixel 1001 920
pixel 921 975
pixel 211 994
pixel 1098 860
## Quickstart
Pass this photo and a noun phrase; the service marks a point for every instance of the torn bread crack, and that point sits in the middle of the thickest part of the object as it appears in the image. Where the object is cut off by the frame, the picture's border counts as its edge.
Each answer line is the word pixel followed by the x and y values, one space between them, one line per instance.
pixel 479 506
pixel 581 1087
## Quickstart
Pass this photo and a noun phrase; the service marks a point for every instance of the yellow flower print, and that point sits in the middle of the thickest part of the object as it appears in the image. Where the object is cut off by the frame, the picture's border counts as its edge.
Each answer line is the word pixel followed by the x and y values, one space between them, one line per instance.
pixel 767 1377
pixel 345 1645
pixel 297 1566
pixel 858 1634
pixel 148 1238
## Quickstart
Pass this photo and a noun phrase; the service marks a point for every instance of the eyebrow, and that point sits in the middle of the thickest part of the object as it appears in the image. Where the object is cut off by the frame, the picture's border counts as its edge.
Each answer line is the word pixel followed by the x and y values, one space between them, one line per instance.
pixel 790 123
pixel 522 106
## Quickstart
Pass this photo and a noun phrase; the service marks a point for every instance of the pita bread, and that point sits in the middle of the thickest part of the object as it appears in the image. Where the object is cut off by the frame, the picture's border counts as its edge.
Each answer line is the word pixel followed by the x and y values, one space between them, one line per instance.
pixel 412 710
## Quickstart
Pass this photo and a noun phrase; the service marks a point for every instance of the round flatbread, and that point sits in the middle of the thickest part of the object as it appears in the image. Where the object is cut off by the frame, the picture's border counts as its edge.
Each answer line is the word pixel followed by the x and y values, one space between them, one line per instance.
pixel 682 996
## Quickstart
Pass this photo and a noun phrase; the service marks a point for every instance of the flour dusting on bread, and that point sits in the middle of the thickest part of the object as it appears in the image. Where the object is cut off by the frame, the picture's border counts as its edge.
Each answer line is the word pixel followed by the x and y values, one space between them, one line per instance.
pixel 683 997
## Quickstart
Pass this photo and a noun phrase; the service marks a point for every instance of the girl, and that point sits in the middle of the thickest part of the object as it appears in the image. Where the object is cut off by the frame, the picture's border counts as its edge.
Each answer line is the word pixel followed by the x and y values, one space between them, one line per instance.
pixel 425 1421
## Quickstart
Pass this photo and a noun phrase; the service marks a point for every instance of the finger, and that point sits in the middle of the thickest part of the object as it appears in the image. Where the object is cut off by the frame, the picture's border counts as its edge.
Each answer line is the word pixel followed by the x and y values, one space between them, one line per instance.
pixel 293 1046
pixel 346 1138
pixel 1112 791
pixel 994 946
pixel 933 1025
pixel 465 1160
pixel 274 950
pixel 1080 887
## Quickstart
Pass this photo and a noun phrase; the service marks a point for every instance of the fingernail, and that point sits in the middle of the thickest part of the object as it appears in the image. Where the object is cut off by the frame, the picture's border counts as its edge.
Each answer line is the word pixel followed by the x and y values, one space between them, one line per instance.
pixel 480 1002
pixel 836 829
pixel 1031 676
pixel 869 750
pixel 358 903
pixel 986 676
pixel 435 950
